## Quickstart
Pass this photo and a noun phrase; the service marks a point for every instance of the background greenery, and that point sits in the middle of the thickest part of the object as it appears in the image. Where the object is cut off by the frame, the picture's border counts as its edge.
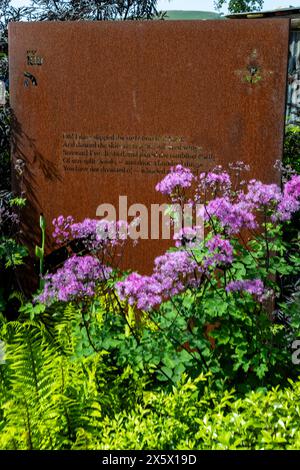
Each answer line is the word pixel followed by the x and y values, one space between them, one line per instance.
pixel 239 6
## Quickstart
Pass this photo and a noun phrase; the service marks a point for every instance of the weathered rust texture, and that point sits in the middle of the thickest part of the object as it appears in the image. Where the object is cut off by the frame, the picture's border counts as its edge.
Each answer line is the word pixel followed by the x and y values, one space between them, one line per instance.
pixel 218 85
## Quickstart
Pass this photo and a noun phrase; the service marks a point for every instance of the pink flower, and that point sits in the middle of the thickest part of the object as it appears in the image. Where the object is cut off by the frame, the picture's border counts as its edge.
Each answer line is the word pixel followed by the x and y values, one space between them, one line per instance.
pixel 232 216
pixel 214 180
pixel 290 202
pixel 173 273
pixel 254 287
pixel 144 291
pixel 94 234
pixel 189 237
pixel 62 228
pixel 260 194
pixel 77 278
pixel 220 252
pixel 179 177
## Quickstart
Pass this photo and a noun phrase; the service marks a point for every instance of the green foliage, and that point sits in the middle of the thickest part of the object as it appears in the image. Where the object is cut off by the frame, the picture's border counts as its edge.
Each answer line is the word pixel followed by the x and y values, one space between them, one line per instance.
pixel 291 162
pixel 17 202
pixel 50 400
pixel 46 411
pixel 291 309
pixel 40 250
pixel 291 156
pixel 96 376
pixel 93 10
pixel 239 6
pixel 50 394
pixel 4 147
pixel 189 419
pixel 244 343
pixel 11 253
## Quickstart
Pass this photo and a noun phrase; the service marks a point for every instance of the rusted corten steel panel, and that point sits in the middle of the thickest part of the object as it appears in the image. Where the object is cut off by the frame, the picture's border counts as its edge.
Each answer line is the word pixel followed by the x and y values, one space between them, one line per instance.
pixel 103 109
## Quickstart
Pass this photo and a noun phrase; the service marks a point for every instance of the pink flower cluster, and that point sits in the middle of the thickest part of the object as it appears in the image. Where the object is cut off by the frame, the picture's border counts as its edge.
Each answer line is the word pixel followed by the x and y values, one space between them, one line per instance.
pixel 189 237
pixel 173 273
pixel 233 217
pixel 290 201
pixel 260 194
pixel 220 252
pixel 217 179
pixel 254 287
pixel 95 234
pixel 143 291
pixel 77 278
pixel 62 228
pixel 179 177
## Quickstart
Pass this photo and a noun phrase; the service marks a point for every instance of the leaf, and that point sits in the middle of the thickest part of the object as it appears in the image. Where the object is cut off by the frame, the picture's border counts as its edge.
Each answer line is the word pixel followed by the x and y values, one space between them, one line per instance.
pixel 42 222
pixel 38 252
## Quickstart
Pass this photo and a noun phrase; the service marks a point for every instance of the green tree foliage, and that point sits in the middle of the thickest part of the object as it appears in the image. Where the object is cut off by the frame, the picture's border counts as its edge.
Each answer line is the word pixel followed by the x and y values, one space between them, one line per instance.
pixel 291 155
pixel 239 6
pixel 93 10
pixel 10 13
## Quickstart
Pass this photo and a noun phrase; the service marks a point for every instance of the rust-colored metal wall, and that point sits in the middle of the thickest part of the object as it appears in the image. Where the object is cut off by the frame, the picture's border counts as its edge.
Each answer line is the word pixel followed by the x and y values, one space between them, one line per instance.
pixel 102 110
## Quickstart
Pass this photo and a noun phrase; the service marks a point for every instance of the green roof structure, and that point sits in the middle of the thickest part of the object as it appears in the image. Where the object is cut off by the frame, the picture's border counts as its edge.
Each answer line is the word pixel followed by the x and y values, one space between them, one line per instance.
pixel 290 12
pixel 192 15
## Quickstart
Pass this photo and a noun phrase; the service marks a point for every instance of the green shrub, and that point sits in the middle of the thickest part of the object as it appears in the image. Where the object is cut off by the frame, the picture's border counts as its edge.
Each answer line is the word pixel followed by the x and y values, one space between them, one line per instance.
pixel 186 419
pixel 291 155
pixel 50 400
